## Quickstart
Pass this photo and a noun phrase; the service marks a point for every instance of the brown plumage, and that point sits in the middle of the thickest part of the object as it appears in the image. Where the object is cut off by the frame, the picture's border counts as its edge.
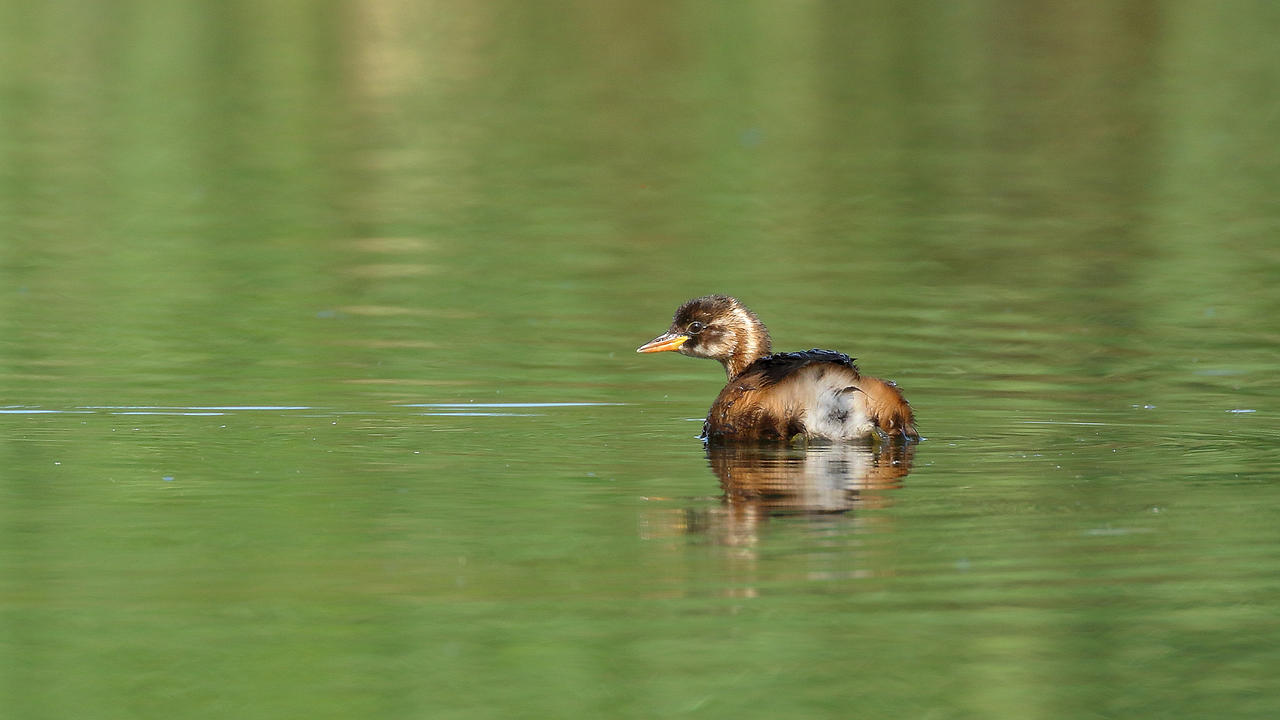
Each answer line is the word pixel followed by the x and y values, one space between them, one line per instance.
pixel 812 394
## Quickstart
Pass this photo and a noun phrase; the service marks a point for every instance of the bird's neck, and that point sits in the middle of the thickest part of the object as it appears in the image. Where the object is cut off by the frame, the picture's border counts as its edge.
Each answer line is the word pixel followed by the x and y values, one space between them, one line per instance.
pixel 752 343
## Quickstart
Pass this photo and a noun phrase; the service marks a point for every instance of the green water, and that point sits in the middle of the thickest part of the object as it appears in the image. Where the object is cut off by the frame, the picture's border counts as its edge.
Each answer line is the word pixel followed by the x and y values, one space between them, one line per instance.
pixel 318 395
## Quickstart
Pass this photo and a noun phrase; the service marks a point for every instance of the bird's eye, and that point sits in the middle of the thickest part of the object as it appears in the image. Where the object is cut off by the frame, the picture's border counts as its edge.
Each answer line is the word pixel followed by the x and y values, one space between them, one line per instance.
pixel 695 327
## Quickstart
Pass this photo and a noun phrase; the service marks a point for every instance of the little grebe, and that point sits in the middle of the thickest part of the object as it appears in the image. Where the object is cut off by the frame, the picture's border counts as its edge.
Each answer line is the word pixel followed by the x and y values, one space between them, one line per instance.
pixel 813 394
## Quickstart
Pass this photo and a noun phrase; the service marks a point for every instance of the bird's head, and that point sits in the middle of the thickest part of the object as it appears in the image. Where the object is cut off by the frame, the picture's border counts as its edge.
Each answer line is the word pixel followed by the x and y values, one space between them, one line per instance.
pixel 717 327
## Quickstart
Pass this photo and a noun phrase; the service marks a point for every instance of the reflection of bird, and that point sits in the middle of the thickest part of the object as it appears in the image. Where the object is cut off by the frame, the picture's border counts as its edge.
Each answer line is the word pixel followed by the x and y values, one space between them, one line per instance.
pixel 818 479
pixel 813 394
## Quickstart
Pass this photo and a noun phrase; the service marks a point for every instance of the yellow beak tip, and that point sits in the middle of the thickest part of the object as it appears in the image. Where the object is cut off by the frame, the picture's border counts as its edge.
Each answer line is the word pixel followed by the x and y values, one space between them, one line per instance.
pixel 663 343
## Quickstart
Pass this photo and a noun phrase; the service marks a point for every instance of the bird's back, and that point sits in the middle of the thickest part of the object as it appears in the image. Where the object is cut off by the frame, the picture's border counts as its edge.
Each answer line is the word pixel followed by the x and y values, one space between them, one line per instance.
pixel 815 394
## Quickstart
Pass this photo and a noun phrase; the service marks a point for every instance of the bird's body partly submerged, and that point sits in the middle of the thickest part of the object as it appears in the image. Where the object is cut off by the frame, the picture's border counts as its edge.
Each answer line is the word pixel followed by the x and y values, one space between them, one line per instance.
pixel 814 394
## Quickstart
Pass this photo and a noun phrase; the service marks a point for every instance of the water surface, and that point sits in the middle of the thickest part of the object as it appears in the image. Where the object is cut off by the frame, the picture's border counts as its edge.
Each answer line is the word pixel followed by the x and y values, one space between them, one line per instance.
pixel 318 392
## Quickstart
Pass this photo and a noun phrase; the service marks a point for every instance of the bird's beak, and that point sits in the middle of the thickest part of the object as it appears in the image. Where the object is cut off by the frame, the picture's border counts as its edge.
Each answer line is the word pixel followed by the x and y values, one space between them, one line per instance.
pixel 664 343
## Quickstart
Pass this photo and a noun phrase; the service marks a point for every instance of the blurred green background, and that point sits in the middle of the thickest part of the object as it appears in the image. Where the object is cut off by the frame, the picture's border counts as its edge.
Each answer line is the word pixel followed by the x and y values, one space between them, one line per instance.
pixel 253 254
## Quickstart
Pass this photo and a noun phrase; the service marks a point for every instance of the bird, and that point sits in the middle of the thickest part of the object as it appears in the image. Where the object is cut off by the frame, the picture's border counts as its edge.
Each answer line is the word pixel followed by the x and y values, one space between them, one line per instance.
pixel 808 395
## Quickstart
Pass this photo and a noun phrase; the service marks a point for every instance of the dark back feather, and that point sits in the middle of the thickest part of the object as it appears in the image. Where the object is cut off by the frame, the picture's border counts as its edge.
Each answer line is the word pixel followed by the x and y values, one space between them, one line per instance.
pixel 772 368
